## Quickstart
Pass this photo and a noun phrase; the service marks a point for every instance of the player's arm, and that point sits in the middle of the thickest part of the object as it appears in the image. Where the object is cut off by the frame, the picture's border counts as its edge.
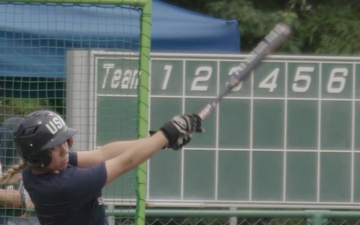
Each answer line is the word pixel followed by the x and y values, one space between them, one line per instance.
pixel 176 132
pixel 10 198
pixel 136 155
pixel 106 152
pixel 121 157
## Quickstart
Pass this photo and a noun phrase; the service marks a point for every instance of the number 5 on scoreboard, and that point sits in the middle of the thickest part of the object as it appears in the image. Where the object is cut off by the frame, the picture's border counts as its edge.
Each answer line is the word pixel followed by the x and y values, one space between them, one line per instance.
pixel 302 79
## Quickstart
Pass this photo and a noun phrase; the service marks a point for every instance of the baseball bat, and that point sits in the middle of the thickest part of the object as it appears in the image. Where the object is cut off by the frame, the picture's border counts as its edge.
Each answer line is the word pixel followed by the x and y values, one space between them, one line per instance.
pixel 269 44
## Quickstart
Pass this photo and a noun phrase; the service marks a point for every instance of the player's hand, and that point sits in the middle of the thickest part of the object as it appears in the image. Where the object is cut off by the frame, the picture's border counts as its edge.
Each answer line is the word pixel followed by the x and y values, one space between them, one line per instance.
pixel 179 130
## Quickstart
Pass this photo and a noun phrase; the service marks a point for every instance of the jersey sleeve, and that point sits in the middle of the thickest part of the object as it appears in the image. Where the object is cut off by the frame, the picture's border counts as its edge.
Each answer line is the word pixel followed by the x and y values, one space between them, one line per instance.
pixel 73 158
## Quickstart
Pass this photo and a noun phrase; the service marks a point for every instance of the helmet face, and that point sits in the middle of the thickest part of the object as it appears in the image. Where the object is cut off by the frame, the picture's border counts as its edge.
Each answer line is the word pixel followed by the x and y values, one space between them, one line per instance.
pixel 39 131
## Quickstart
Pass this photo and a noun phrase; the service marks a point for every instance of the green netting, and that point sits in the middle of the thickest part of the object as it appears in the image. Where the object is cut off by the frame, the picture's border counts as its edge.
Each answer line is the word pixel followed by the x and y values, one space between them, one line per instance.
pixel 81 59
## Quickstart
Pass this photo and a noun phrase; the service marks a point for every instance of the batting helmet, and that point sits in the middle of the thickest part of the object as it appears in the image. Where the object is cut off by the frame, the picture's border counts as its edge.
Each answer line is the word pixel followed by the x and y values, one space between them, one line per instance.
pixel 38 132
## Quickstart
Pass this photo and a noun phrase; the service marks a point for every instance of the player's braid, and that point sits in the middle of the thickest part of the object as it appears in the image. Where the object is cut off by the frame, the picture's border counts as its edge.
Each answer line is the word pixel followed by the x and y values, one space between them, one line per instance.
pixel 8 174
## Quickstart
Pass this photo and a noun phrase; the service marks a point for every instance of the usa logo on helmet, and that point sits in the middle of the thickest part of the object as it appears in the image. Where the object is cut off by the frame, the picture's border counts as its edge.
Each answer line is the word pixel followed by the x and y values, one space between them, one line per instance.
pixel 55 125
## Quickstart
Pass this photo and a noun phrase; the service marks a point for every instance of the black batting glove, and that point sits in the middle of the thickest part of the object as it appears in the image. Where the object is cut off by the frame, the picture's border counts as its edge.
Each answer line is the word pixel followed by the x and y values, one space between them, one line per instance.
pixel 188 123
pixel 179 130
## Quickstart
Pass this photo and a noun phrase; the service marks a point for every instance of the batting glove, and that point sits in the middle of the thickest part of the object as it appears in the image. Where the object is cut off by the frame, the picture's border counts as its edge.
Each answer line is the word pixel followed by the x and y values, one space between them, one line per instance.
pixel 179 130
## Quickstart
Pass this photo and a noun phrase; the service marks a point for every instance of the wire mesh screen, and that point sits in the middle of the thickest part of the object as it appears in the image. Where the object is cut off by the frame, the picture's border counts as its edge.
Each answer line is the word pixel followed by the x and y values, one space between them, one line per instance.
pixel 81 61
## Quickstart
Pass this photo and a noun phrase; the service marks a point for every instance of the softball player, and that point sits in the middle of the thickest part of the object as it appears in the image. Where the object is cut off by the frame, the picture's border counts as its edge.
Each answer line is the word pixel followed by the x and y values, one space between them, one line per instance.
pixel 65 186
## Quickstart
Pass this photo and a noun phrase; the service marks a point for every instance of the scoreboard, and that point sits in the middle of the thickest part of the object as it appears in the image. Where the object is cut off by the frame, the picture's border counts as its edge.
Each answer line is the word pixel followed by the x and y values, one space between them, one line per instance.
pixel 286 137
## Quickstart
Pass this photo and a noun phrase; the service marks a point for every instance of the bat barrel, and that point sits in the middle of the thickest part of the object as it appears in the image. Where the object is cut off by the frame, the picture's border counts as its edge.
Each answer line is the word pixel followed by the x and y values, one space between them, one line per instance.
pixel 270 43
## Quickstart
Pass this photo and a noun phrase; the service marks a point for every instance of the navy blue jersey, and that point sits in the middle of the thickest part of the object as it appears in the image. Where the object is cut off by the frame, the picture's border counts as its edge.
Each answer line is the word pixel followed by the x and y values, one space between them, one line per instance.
pixel 72 196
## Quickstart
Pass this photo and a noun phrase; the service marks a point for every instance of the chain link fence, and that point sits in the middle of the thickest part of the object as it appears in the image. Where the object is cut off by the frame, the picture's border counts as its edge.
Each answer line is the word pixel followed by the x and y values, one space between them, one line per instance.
pixel 224 217
pixel 241 217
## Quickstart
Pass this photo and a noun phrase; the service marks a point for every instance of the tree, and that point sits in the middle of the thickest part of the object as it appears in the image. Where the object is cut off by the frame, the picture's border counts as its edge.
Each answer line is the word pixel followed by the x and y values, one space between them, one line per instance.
pixel 326 27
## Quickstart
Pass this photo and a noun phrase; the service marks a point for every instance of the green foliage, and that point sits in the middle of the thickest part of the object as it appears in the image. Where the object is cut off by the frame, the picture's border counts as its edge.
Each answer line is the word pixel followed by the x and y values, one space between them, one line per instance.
pixel 21 106
pixel 335 32
pixel 254 22
pixel 326 27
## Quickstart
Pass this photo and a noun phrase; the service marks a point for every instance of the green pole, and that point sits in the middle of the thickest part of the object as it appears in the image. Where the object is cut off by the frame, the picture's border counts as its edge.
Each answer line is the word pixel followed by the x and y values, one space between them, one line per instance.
pixel 143 107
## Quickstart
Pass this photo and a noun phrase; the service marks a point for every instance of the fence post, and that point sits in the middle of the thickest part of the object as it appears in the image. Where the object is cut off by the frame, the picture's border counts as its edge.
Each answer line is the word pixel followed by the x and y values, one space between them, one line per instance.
pixel 317 218
pixel 111 219
pixel 233 219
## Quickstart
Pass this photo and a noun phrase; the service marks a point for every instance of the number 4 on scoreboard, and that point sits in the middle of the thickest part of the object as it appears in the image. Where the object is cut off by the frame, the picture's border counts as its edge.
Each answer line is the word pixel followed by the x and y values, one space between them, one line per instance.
pixel 270 81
